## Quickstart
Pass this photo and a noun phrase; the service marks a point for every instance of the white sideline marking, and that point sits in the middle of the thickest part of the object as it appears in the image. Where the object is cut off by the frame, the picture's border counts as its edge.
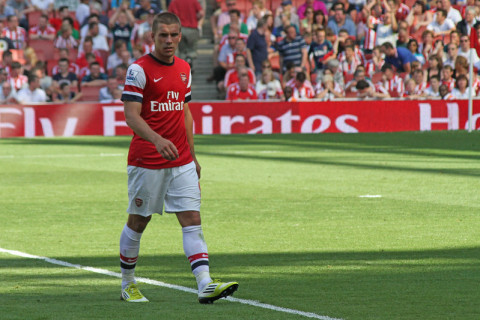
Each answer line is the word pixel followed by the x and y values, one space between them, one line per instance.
pixel 370 196
pixel 166 285
pixel 67 155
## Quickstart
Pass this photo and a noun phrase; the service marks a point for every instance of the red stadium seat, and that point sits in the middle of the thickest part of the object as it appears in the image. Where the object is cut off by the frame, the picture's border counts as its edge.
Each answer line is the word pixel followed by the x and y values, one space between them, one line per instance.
pixel 350 94
pixel 347 77
pixel 33 18
pixel 275 62
pixel 90 93
pixel 43 48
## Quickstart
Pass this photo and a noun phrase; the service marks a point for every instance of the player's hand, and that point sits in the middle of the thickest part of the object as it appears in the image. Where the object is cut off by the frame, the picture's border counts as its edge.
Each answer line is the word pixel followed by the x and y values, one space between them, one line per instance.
pixel 166 148
pixel 198 168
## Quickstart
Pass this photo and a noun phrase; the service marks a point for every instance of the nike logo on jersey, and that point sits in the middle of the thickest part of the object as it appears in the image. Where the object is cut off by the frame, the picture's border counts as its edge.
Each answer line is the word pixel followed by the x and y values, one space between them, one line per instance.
pixel 156 80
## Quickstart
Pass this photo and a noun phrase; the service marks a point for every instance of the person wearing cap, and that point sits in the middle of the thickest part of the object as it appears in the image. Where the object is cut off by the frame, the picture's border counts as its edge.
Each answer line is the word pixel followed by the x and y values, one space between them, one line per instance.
pixel 145 9
pixel 286 11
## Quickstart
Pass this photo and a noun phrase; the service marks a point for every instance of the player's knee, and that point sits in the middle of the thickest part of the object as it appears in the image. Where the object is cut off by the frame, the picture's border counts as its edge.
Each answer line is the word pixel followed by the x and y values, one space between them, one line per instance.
pixel 189 218
pixel 138 223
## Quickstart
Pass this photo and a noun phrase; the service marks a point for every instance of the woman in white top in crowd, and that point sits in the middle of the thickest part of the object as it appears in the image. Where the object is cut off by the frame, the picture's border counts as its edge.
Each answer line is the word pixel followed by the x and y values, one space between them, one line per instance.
pixel 461 89
pixel 267 87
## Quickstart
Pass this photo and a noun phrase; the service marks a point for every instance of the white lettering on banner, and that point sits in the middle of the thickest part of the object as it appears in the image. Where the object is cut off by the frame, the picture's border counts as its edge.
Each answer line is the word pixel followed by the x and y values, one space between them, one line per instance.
pixel 226 123
pixel 109 122
pixel 8 125
pixel 426 119
pixel 265 128
pixel 342 124
pixel 207 122
pixel 286 121
pixel 47 126
pixel 67 132
pixel 307 125
pixel 475 117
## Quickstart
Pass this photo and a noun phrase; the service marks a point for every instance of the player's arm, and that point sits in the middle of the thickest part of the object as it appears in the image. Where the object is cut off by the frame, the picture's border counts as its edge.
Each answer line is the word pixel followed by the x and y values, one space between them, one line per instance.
pixel 165 147
pixel 189 129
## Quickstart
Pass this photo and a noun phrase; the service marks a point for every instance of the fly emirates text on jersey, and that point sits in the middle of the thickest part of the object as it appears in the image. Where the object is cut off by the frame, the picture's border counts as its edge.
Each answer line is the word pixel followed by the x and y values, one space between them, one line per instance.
pixel 169 105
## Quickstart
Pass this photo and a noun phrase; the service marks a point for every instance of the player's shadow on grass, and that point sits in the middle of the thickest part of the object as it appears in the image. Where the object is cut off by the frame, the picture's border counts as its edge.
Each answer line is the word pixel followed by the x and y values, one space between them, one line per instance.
pixel 380 284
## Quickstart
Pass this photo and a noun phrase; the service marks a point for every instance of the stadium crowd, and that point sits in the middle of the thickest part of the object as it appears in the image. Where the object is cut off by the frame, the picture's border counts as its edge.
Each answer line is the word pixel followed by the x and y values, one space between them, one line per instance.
pixel 71 50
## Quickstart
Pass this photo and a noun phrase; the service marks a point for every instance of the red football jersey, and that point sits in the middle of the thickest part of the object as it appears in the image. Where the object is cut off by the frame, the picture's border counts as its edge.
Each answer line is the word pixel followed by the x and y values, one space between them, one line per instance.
pixel 163 89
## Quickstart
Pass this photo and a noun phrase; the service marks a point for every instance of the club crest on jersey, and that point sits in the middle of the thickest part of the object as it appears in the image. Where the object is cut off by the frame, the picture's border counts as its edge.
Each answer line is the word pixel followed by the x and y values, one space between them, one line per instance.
pixel 132 75
pixel 138 202
pixel 183 76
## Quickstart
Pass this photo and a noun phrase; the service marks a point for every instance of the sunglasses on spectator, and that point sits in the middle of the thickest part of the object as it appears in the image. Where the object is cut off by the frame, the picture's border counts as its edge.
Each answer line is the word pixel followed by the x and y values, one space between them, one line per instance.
pixel 231 38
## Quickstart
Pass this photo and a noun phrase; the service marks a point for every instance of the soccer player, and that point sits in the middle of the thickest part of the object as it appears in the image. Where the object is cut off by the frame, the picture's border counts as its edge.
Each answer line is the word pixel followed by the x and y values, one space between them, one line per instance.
pixel 162 167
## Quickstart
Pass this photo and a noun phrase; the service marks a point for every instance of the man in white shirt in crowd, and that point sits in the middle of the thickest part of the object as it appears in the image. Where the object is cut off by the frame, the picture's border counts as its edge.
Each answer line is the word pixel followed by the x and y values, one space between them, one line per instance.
pixel 441 25
pixel 32 93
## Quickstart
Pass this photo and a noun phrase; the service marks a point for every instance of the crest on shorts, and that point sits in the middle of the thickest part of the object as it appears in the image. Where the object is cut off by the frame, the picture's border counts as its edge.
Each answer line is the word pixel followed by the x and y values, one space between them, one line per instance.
pixel 138 202
pixel 183 76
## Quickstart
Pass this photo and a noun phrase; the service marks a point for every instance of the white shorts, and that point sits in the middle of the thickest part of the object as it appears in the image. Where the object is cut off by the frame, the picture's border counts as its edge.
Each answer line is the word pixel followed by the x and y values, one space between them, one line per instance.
pixel 149 189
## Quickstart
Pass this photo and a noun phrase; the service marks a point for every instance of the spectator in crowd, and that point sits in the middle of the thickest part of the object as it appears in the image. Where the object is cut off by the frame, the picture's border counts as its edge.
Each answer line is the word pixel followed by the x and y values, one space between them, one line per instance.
pixel 409 92
pixel 444 93
pixel 121 73
pixel 286 13
pixel 465 26
pixel 43 30
pixel 232 75
pixel 222 60
pixel 288 94
pixel 328 90
pixel 95 77
pixel 447 77
pixel 333 66
pixel 306 24
pixel 83 11
pixel 100 42
pixel 391 82
pixel 5 10
pixel 462 90
pixel 400 58
pixel 257 50
pixel 420 83
pixel 387 29
pixel 359 74
pixel 376 63
pixel 190 13
pixel 292 49
pixel 240 48
pixel 452 13
pixel 365 91
pixel 403 38
pixel 58 16
pixel 146 9
pixel 280 31
pixel 106 94
pixel 69 22
pixel 319 20
pixel 301 89
pixel 441 25
pixel 435 66
pixel 143 27
pixel 64 53
pixel 268 87
pixel 21 8
pixel 373 13
pixel 17 79
pixel 14 32
pixel 314 5
pixel 413 47
pixel 350 63
pixel 465 50
pixel 94 18
pixel 147 42
pixel 220 18
pixel 85 71
pixel 32 93
pixel 432 91
pixel 452 53
pixel 65 39
pixel 7 60
pixel 88 49
pixel 341 21
pixel 256 14
pixel 137 52
pixel 419 16
pixel 236 21
pixel 8 95
pixel 243 90
pixel 116 57
pixel 66 94
pixel 45 80
pixel 320 51
pixel 64 75
pixel 121 25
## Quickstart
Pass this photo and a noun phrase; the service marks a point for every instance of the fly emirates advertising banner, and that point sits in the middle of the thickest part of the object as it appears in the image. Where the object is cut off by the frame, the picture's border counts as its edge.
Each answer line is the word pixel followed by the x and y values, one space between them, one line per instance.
pixel 51 120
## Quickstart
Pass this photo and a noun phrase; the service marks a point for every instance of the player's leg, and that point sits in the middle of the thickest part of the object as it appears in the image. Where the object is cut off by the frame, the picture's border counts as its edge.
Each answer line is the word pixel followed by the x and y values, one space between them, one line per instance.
pixel 146 191
pixel 183 198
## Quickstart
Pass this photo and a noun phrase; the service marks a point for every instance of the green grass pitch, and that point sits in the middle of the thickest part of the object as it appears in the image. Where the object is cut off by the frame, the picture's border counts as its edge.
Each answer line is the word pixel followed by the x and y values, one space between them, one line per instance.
pixel 284 215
